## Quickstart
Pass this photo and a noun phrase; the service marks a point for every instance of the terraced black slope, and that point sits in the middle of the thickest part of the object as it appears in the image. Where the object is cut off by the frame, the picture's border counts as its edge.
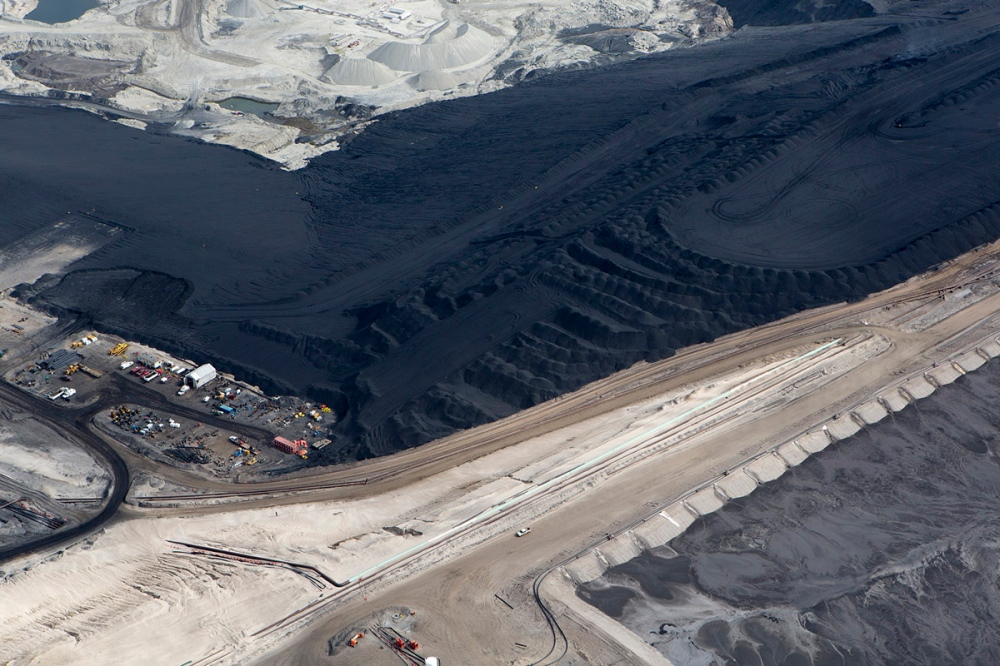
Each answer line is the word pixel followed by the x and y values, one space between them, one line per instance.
pixel 468 259
pixel 791 12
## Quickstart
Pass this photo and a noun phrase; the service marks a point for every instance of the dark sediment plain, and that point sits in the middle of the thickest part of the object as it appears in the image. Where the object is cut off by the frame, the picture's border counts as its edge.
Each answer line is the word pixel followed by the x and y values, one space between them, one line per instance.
pixel 461 261
pixel 881 550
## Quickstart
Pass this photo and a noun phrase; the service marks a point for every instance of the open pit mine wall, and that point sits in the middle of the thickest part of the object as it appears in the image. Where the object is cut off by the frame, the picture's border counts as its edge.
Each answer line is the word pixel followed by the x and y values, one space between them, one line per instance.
pixel 662 527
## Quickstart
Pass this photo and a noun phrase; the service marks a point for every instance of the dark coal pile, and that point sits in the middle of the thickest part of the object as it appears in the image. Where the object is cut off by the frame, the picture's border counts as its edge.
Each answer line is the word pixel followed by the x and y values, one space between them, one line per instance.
pixel 462 261
pixel 790 12
pixel 880 550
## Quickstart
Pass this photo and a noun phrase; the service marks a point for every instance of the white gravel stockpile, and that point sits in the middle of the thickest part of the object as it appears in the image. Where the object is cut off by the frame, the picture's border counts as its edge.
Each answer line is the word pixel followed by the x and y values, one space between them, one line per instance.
pixel 448 47
pixel 359 72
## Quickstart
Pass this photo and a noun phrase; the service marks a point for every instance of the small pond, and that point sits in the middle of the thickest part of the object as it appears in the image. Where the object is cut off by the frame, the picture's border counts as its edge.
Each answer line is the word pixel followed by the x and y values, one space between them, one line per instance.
pixel 60 11
pixel 245 105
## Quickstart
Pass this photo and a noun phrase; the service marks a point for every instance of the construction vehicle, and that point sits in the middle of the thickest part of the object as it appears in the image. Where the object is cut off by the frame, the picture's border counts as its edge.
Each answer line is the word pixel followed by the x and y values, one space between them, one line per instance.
pixel 357 637
pixel 73 368
pixel 118 349
pixel 76 344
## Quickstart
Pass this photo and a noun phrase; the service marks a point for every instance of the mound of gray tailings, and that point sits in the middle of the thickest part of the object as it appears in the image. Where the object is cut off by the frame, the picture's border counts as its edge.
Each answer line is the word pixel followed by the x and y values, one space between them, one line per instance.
pixel 434 81
pixel 247 9
pixel 359 72
pixel 607 41
pixel 447 47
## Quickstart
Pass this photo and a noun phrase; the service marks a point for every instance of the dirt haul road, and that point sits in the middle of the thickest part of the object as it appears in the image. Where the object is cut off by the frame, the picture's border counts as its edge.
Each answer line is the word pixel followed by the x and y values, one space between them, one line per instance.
pixel 73 426
pixel 568 511
pixel 454 592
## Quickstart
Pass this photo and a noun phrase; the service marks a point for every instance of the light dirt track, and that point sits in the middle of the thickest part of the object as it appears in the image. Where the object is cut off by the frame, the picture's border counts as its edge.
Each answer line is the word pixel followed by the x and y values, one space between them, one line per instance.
pixel 453 576
pixel 462 618
pixel 188 26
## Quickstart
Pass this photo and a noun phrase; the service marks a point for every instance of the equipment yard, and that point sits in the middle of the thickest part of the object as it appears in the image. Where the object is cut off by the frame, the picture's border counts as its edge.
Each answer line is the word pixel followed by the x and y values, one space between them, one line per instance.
pixel 88 369
pixel 420 547
pixel 179 441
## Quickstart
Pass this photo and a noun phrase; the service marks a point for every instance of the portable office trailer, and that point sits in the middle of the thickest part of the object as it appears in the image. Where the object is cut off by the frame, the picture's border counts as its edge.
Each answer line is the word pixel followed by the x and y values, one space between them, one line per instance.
pixel 201 376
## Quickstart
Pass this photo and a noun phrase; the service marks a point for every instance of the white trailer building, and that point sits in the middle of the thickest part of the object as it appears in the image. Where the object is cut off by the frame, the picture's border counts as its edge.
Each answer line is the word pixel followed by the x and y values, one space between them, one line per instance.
pixel 201 376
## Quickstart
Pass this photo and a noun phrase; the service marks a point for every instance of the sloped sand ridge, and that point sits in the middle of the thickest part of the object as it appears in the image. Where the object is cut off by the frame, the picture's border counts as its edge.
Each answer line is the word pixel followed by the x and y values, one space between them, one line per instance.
pixel 882 549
